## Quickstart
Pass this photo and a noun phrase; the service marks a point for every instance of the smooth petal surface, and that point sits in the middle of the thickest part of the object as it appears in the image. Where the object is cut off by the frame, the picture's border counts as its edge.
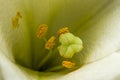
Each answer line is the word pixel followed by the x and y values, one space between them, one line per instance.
pixel 9 70
pixel 14 43
pixel 105 69
pixel 12 71
pixel 100 35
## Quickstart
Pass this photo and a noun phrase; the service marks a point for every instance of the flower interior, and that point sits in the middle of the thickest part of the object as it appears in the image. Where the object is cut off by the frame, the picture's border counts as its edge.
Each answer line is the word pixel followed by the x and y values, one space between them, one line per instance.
pixel 50 56
pixel 49 35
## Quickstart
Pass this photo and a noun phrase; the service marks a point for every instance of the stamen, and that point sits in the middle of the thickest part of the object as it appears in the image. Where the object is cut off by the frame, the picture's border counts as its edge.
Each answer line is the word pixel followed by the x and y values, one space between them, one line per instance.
pixel 63 30
pixel 15 20
pixel 50 43
pixel 42 30
pixel 68 64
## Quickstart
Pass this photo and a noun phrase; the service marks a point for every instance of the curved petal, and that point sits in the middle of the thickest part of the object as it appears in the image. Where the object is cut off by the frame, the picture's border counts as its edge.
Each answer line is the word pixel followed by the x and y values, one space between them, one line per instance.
pixel 14 42
pixel 11 71
pixel 101 34
pixel 105 69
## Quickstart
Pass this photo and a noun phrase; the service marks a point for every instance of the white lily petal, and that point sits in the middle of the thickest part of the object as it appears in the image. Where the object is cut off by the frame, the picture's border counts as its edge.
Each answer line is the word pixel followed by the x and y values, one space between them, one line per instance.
pixel 9 70
pixel 10 38
pixel 101 34
pixel 105 69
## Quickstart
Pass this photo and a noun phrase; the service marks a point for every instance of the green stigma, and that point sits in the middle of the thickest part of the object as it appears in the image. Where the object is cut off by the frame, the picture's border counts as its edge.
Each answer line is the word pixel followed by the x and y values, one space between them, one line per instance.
pixel 70 45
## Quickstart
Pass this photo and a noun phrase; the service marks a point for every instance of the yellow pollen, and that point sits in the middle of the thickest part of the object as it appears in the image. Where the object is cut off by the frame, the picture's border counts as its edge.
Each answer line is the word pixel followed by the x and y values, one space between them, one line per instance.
pixel 68 64
pixel 15 20
pixel 42 29
pixel 63 30
pixel 50 43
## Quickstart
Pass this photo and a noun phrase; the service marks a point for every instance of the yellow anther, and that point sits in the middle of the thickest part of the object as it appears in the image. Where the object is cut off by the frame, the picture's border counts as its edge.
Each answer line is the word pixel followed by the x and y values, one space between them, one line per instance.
pixel 50 43
pixel 68 64
pixel 42 29
pixel 63 30
pixel 15 20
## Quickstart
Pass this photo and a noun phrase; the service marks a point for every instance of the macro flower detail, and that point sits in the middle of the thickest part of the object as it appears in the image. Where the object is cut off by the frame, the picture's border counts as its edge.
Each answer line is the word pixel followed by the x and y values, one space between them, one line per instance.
pixel 70 45
pixel 59 39
pixel 68 64
pixel 63 30
pixel 50 43
pixel 42 30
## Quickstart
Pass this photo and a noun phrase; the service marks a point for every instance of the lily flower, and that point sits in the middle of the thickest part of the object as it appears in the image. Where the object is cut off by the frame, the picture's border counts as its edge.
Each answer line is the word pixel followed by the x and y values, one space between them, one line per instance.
pixel 31 48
